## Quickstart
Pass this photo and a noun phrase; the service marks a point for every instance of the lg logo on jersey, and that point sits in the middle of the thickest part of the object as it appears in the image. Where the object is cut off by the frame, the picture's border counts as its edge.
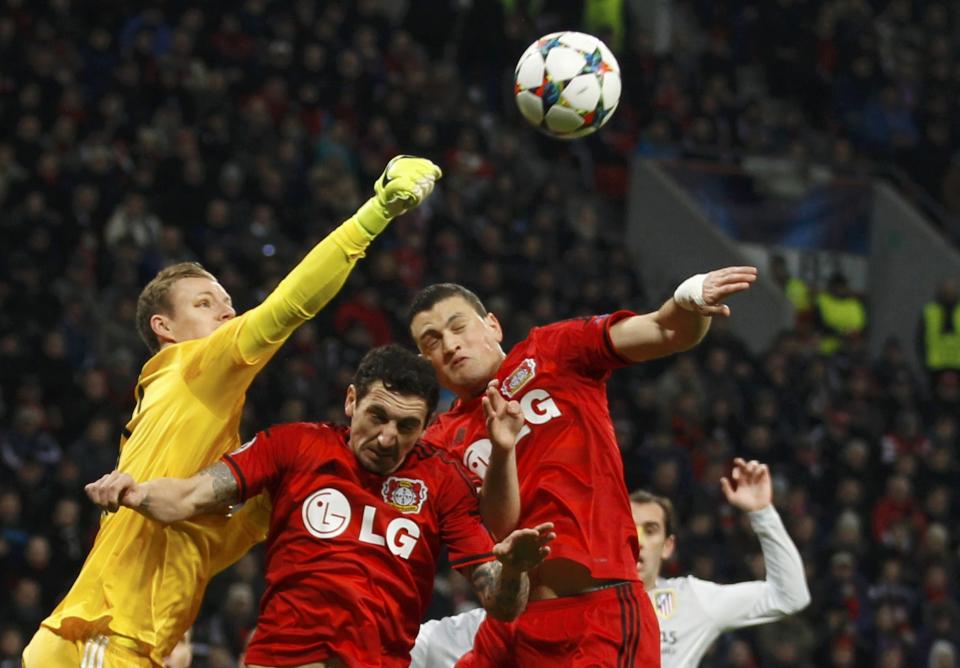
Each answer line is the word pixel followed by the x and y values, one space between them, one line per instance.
pixel 327 512
pixel 537 406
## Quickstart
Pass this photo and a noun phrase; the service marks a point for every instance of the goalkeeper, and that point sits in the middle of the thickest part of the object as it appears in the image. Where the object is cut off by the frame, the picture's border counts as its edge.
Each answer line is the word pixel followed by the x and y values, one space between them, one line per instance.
pixel 141 586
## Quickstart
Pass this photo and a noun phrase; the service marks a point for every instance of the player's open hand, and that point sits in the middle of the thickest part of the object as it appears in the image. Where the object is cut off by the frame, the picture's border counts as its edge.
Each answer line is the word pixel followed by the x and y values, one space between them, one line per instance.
pixel 526 548
pixel 751 488
pixel 114 490
pixel 504 418
pixel 405 183
pixel 720 284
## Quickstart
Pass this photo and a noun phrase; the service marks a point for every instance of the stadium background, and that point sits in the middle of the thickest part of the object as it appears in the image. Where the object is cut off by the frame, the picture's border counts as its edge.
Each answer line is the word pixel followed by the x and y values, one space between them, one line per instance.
pixel 239 133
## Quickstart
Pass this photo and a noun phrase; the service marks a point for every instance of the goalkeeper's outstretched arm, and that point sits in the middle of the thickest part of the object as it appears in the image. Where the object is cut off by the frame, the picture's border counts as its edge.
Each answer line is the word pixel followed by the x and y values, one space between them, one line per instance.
pixel 405 183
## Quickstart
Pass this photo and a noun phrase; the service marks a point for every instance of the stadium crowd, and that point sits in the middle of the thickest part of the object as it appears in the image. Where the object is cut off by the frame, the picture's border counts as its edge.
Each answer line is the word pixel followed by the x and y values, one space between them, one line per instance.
pixel 238 134
pixel 857 84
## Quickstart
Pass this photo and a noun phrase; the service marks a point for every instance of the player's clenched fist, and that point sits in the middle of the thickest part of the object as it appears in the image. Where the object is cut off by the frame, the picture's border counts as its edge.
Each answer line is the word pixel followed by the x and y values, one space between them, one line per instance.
pixel 114 490
pixel 405 183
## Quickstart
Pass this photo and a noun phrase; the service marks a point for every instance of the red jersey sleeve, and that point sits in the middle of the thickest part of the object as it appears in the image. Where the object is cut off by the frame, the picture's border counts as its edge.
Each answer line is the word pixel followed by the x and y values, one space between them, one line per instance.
pixel 583 344
pixel 467 539
pixel 259 462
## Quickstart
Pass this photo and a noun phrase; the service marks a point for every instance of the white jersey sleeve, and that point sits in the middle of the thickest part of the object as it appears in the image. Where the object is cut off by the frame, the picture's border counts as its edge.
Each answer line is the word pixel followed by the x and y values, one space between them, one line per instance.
pixel 441 642
pixel 783 593
pixel 694 612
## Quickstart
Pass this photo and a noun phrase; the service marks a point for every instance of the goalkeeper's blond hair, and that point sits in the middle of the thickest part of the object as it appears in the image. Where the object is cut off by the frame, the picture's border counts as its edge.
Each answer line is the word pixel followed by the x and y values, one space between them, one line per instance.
pixel 155 297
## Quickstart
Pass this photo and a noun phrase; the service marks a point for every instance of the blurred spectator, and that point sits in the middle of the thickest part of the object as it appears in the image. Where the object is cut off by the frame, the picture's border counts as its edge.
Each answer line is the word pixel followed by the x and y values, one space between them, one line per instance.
pixel 230 627
pixel 67 540
pixel 26 608
pixel 132 223
pixel 895 506
pixel 943 654
pixel 841 316
pixel 938 337
pixel 11 645
pixel 842 597
pixel 28 443
pixel 95 452
pixel 794 288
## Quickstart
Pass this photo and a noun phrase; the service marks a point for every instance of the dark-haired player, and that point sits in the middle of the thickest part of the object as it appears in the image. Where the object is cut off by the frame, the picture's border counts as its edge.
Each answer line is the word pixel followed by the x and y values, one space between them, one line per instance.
pixel 359 517
pixel 565 464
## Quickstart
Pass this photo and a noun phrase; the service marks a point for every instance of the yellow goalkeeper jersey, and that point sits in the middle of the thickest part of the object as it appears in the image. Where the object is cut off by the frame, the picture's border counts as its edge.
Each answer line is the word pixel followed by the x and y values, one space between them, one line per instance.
pixel 145 580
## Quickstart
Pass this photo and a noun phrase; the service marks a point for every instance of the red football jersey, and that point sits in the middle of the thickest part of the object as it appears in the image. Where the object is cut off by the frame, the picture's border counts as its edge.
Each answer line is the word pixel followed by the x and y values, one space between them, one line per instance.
pixel 351 555
pixel 569 465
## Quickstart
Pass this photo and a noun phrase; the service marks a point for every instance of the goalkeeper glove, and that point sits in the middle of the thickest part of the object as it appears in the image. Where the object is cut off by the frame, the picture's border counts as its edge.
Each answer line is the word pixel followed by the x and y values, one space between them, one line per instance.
pixel 404 184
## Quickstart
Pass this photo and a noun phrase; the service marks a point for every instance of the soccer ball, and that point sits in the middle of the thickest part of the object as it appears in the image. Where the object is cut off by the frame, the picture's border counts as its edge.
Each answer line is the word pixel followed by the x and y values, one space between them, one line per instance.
pixel 567 84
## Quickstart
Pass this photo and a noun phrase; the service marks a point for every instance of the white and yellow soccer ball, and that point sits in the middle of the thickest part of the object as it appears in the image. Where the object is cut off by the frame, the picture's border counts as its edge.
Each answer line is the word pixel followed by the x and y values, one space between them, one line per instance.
pixel 567 84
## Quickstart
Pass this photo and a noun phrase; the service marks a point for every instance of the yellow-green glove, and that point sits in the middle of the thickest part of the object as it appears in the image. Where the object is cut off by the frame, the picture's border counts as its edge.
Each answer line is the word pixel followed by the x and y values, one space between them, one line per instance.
pixel 404 184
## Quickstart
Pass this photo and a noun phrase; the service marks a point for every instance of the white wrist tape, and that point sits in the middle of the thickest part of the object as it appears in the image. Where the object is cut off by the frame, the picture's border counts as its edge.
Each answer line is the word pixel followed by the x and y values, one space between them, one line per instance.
pixel 689 294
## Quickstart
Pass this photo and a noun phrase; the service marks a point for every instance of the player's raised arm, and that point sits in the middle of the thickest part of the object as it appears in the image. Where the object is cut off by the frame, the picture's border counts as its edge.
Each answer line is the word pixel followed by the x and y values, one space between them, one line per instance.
pixel 167 499
pixel 404 184
pixel 503 585
pixel 785 591
pixel 500 495
pixel 684 319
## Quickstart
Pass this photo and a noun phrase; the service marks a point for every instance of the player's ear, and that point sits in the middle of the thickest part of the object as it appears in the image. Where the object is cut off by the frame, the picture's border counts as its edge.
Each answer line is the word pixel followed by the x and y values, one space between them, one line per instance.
pixel 669 545
pixel 494 324
pixel 160 324
pixel 350 404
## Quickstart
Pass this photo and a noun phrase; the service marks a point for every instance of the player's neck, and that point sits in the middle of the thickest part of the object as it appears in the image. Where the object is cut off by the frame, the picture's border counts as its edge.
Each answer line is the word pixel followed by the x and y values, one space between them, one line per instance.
pixel 466 394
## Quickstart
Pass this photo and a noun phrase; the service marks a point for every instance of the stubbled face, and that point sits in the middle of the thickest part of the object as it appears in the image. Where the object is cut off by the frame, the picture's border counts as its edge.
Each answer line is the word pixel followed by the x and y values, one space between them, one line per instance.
pixel 199 307
pixel 463 346
pixel 655 545
pixel 384 426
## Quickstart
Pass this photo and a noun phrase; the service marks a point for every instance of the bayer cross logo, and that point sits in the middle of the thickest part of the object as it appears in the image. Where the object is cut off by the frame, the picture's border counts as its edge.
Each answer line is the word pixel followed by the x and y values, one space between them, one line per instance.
pixel 326 513
pixel 404 497
pixel 404 494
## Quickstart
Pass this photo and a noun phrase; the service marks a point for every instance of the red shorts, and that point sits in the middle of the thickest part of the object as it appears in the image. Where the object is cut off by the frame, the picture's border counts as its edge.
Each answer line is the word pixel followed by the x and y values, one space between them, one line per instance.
pixel 613 627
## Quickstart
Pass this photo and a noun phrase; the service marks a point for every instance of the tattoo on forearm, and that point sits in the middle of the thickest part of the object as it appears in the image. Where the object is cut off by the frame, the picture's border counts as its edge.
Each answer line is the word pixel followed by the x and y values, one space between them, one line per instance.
pixel 503 597
pixel 224 484
pixel 484 579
